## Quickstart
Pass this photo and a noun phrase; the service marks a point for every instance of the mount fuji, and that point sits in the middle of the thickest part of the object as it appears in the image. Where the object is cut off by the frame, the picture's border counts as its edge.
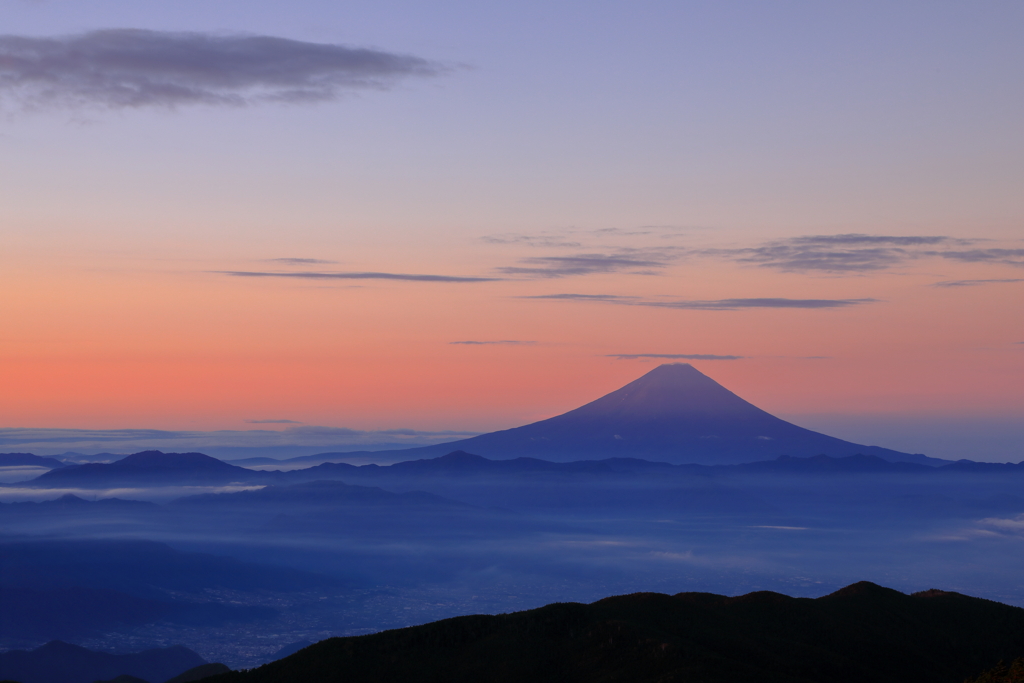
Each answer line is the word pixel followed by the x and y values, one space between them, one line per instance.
pixel 674 413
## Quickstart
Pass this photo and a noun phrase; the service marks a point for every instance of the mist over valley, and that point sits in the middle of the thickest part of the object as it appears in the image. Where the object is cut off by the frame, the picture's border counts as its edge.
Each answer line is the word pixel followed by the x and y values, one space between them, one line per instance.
pixel 236 563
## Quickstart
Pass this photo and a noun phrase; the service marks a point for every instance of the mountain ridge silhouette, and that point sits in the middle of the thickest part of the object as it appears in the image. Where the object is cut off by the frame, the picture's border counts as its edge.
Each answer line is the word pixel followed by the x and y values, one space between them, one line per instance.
pixel 863 632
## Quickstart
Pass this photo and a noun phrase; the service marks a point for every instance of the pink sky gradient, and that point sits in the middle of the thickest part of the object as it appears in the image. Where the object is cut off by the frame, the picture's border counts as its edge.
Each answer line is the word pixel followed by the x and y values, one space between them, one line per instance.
pixel 663 158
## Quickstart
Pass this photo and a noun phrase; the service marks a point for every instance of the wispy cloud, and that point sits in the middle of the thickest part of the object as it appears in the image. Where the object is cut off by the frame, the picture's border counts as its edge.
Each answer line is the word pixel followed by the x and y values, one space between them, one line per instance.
pixel 307 275
pixel 736 304
pixel 121 68
pixel 298 261
pixel 1012 525
pixel 709 305
pixel 344 431
pixel 858 239
pixel 974 283
pixel 538 240
pixel 54 441
pixel 156 494
pixel 605 251
pixel 509 342
pixel 1013 257
pixel 273 422
pixel 844 253
pixel 585 264
pixel 574 237
pixel 609 298
pixel 672 356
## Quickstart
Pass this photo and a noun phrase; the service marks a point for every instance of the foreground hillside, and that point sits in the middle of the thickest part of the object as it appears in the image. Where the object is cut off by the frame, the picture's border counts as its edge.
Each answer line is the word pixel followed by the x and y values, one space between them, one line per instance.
pixel 861 633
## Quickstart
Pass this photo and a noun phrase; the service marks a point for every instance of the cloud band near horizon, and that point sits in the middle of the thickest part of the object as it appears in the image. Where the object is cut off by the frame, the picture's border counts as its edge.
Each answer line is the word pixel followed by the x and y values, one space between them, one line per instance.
pixel 709 305
pixel 672 356
pixel 356 276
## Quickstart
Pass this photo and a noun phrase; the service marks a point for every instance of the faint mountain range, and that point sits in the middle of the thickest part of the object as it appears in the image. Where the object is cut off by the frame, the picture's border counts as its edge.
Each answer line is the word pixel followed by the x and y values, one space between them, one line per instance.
pixel 674 413
pixel 863 632
pixel 151 468
pixel 73 457
pixel 462 465
pixel 71 505
pixel 28 460
pixel 155 469
pixel 60 662
pixel 320 493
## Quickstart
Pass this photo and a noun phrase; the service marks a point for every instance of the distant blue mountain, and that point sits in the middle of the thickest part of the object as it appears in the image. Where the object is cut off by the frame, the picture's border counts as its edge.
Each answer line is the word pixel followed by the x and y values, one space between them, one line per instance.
pixel 65 663
pixel 150 468
pixel 69 503
pixel 459 465
pixel 23 459
pixel 673 413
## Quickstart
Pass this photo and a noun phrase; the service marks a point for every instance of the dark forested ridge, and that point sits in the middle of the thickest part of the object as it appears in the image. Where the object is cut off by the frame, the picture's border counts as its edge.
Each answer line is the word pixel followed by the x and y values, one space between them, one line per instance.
pixel 863 632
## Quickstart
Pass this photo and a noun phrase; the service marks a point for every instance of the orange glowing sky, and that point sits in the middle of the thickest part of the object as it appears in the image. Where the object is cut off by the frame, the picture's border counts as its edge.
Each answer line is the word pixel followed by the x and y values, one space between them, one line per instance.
pixel 642 159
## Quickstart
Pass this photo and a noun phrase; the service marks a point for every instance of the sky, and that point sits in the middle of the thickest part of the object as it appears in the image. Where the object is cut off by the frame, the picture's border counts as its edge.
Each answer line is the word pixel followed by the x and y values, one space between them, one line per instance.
pixel 455 217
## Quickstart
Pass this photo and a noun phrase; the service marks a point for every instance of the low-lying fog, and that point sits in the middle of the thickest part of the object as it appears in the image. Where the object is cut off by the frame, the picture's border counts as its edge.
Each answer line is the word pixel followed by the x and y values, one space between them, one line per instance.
pixel 385 556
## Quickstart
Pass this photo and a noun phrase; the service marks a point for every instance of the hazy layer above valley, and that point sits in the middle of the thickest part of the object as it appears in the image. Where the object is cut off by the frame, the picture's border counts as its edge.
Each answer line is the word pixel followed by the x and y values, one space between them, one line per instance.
pixel 237 563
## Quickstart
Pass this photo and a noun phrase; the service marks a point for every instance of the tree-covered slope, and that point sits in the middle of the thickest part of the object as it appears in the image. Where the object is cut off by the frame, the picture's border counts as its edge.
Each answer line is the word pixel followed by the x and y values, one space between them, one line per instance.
pixel 861 633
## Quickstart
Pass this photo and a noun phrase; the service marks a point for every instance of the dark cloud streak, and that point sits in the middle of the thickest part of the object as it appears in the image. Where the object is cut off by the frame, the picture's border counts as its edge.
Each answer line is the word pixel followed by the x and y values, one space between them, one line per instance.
pixel 1013 257
pixel 710 305
pixel 845 253
pixel 609 298
pixel 857 239
pixel 975 283
pixel 504 342
pixel 672 356
pixel 530 240
pixel 305 275
pixel 736 304
pixel 126 68
pixel 299 261
pixel 581 264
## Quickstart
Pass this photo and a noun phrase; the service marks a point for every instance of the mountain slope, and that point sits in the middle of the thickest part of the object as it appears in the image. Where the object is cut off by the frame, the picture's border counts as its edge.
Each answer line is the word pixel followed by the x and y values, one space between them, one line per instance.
pixel 673 413
pixel 861 633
